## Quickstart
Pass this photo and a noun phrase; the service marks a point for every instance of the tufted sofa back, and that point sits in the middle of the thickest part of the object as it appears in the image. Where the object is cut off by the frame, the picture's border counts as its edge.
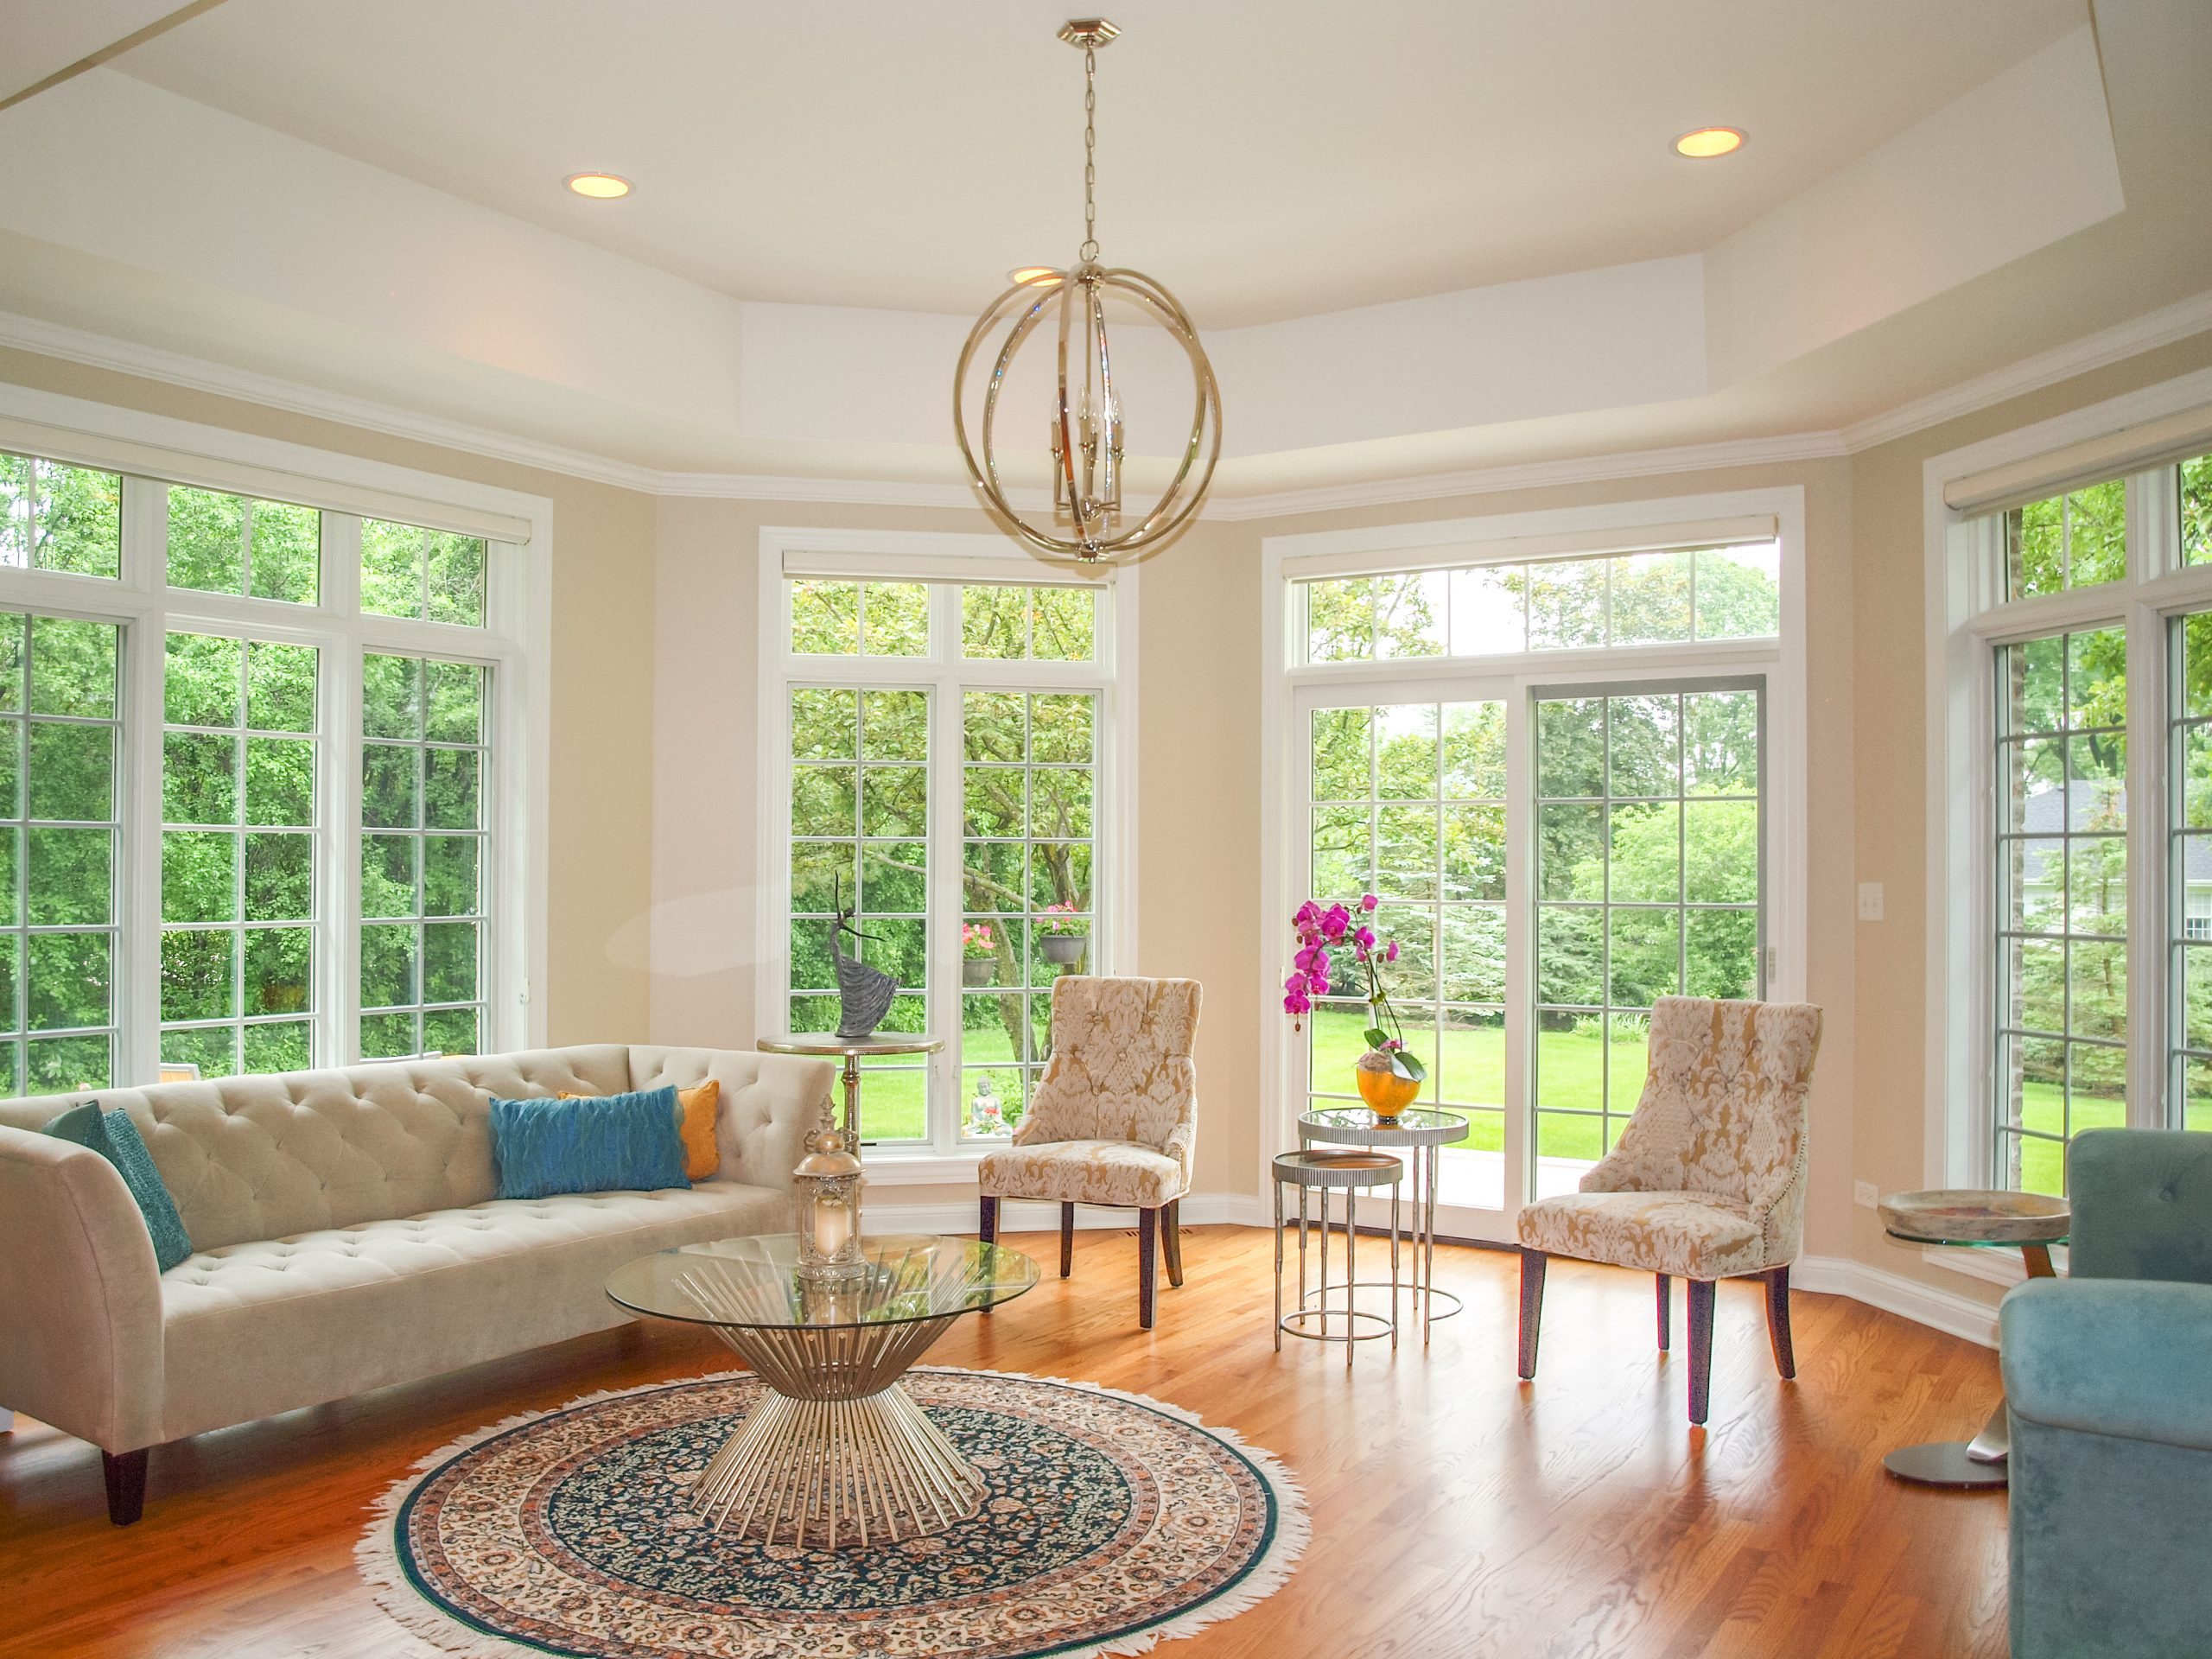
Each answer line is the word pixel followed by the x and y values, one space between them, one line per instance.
pixel 268 1157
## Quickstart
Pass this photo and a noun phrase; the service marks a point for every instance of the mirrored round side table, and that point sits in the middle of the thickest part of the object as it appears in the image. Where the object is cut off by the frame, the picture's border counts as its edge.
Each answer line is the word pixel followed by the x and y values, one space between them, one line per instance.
pixel 1424 1132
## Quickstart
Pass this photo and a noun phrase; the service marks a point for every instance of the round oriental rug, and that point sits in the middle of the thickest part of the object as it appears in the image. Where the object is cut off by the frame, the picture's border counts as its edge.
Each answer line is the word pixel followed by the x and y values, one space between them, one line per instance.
pixel 1111 1521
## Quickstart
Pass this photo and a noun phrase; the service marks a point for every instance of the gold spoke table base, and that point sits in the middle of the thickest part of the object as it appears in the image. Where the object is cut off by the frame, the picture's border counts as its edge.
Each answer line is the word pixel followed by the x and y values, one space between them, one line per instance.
pixel 838 1472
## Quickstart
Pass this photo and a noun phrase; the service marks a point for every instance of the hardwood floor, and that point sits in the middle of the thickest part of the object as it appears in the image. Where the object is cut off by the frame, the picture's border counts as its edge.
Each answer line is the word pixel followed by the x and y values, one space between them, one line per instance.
pixel 1456 1511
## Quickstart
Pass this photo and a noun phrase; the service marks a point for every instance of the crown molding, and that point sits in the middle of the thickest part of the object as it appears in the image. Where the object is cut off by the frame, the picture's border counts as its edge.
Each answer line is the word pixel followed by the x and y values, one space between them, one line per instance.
pixel 2146 333
pixel 1532 474
pixel 2176 321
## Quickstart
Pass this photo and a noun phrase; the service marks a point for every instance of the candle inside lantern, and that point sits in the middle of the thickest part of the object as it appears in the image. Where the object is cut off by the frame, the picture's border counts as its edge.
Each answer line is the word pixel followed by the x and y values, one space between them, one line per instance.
pixel 833 1226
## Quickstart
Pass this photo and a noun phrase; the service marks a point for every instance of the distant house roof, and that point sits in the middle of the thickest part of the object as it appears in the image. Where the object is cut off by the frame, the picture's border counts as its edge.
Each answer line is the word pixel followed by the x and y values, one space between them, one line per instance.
pixel 2094 800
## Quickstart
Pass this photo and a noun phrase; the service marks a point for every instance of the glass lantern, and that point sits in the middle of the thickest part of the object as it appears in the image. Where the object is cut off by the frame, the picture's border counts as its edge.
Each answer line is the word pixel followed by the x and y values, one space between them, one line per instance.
pixel 829 1181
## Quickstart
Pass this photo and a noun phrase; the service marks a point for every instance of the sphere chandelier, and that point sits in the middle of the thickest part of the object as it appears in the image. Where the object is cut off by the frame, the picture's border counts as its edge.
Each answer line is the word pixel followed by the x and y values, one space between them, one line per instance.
pixel 1088 525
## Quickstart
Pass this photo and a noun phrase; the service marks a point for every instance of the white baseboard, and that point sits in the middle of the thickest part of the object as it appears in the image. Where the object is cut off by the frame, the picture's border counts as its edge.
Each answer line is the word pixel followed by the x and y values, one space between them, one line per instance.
pixel 1940 1310
pixel 1021 1216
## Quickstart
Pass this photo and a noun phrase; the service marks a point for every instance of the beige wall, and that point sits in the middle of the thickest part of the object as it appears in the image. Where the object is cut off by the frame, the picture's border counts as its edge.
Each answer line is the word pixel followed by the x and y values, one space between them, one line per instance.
pixel 602 715
pixel 1891 825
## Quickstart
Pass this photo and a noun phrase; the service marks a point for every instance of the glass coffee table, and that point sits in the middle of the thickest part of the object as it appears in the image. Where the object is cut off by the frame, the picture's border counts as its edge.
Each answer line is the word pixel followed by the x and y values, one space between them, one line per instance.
pixel 835 1451
pixel 2026 1221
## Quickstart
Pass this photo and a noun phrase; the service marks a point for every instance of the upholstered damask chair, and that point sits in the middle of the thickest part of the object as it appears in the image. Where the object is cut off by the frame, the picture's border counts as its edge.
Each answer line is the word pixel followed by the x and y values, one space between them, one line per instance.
pixel 1114 1119
pixel 1707 1180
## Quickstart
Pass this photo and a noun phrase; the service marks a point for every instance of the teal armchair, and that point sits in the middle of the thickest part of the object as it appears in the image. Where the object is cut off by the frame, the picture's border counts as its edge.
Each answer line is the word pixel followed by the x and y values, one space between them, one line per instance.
pixel 2109 1375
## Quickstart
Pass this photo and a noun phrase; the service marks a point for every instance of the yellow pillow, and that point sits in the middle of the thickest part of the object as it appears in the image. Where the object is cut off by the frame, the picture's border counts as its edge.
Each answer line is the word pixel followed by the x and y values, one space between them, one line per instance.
pixel 697 1106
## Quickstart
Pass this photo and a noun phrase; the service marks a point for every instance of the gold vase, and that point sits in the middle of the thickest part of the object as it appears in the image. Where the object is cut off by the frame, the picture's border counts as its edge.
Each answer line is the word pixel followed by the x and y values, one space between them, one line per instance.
pixel 1386 1093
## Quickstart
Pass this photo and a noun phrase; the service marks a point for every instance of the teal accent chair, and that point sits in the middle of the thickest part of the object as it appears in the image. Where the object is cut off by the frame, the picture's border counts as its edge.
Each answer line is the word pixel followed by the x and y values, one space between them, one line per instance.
pixel 2108 1373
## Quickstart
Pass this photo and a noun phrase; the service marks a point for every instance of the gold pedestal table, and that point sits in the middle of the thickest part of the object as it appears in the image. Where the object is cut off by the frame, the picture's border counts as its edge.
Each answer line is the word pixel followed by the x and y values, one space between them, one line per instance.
pixel 851 1050
pixel 1967 1219
pixel 836 1452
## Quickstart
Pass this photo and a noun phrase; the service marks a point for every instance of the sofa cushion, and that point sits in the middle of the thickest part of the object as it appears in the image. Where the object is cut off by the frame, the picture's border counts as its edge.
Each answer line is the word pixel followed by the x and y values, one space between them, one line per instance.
pixel 112 1134
pixel 577 1143
pixel 255 1328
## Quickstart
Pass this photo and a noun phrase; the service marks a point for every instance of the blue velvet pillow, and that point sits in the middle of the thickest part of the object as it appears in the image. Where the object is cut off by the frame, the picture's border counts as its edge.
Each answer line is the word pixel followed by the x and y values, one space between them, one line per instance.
pixel 116 1138
pixel 605 1143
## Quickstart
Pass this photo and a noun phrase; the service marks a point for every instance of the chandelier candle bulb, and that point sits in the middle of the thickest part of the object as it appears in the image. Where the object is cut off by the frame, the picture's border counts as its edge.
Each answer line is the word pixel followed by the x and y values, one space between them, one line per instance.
pixel 1086 435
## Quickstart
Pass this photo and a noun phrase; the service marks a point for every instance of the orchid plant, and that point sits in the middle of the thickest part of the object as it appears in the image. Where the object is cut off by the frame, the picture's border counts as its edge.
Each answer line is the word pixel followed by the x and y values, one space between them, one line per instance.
pixel 1337 927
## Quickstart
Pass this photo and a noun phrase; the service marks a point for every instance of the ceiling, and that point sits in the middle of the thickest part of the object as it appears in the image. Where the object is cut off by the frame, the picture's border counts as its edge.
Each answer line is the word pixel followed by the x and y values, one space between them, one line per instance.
pixel 1420 236
pixel 1267 158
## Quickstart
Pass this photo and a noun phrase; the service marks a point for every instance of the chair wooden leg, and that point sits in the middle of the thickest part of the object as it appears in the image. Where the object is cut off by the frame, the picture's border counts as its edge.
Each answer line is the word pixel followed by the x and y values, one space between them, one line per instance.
pixel 1171 1241
pixel 1067 1240
pixel 1777 1321
pixel 126 1472
pixel 1147 1278
pixel 987 1225
pixel 1666 1310
pixel 1701 1347
pixel 1532 1308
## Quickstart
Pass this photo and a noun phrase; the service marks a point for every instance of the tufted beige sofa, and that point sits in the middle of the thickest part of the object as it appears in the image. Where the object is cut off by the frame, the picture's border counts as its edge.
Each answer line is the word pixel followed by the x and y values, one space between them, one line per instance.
pixel 345 1234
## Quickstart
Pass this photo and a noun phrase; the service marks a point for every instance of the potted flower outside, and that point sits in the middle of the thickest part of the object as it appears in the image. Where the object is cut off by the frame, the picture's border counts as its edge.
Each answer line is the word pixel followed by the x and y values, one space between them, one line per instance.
pixel 1062 936
pixel 979 954
pixel 1388 1075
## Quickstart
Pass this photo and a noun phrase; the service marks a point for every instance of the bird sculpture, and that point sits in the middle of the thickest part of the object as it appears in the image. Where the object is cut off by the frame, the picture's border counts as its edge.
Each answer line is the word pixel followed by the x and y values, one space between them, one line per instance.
pixel 864 994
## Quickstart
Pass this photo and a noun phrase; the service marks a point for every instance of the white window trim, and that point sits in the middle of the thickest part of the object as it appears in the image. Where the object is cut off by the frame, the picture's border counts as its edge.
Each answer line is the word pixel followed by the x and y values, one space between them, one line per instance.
pixel 1962 634
pixel 1504 538
pixel 516 638
pixel 941 557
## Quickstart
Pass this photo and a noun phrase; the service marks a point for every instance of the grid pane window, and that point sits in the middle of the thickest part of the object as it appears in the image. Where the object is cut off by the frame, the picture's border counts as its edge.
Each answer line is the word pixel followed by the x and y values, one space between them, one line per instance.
pixel 2193 491
pixel 1059 625
pixel 426 854
pixel 433 575
pixel 1648 884
pixel 235 544
pixel 2189 768
pixel 59 737
pixel 1407 801
pixel 1028 844
pixel 860 619
pixel 2061 910
pixel 860 826
pixel 2075 540
pixel 1628 599
pixel 239 910
pixel 59 517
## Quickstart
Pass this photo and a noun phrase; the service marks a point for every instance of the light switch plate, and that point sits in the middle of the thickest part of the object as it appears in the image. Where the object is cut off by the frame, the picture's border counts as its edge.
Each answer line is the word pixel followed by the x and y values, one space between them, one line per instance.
pixel 1870 901
pixel 1865 1195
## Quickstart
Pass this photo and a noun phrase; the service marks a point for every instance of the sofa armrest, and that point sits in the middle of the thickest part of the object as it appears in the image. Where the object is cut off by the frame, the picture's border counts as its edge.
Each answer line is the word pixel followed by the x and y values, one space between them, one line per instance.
pixel 771 1103
pixel 2126 1357
pixel 81 1296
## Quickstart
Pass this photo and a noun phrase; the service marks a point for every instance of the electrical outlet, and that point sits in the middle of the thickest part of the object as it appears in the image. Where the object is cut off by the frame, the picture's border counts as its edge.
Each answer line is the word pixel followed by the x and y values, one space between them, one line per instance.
pixel 1865 1195
pixel 1870 901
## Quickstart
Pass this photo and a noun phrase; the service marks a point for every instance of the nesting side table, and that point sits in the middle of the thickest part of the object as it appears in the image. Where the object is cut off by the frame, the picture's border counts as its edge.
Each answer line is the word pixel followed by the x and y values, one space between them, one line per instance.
pixel 1324 1172
pixel 1424 1133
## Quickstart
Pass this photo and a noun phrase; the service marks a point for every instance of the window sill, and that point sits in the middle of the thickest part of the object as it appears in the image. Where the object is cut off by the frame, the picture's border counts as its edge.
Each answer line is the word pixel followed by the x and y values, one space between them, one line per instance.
pixel 890 1166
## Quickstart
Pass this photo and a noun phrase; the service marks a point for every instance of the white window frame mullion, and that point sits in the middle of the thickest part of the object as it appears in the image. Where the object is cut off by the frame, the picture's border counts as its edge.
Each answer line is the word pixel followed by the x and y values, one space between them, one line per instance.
pixel 137 966
pixel 2150 912
pixel 948 752
pixel 337 832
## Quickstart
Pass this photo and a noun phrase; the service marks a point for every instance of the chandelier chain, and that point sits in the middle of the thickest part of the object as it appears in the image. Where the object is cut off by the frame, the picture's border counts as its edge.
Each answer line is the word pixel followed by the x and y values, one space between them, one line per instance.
pixel 1090 249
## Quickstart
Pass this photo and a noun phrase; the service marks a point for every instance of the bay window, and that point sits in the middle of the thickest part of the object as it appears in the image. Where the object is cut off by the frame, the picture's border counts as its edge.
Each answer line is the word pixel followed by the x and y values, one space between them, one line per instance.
pixel 251 757
pixel 2071 798
pixel 947 770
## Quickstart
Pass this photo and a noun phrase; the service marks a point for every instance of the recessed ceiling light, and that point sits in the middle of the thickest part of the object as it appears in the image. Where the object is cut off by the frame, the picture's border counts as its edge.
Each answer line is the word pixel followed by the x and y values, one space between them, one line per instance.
pixel 600 187
pixel 1706 142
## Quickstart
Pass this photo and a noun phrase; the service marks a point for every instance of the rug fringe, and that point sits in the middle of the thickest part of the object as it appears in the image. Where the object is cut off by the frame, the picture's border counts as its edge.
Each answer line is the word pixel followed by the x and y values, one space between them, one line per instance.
pixel 377 1555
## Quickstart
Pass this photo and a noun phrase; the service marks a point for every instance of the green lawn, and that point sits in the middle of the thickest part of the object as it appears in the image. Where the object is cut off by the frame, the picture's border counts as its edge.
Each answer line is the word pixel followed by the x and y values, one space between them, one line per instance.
pixel 1469 1075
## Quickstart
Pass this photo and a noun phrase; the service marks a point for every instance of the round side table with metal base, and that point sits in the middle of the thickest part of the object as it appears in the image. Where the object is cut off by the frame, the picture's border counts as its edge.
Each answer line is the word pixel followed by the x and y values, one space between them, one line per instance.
pixel 1426 1132
pixel 1315 1317
pixel 851 1050
pixel 2026 1221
